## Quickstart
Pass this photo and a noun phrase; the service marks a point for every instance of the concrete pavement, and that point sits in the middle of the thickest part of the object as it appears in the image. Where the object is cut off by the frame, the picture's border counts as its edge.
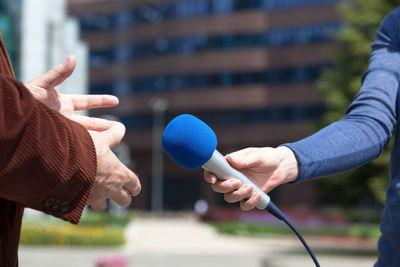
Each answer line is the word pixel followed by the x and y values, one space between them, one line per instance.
pixel 183 241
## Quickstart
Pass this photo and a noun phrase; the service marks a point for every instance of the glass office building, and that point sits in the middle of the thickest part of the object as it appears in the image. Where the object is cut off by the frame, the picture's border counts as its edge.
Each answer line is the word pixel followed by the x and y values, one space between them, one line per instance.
pixel 9 29
pixel 246 67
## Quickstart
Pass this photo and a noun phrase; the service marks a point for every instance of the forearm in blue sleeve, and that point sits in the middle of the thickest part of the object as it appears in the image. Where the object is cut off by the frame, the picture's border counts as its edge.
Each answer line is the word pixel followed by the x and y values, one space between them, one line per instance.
pixel 364 131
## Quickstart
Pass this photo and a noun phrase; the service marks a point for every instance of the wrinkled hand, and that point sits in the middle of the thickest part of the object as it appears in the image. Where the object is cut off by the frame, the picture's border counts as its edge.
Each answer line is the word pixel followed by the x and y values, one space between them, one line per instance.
pixel 267 167
pixel 43 89
pixel 113 179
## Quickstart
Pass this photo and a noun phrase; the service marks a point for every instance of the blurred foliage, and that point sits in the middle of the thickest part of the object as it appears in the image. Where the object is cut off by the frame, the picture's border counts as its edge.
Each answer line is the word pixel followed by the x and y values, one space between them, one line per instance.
pixel 105 219
pixel 69 235
pixel 252 229
pixel 339 85
pixel 362 216
pixel 95 229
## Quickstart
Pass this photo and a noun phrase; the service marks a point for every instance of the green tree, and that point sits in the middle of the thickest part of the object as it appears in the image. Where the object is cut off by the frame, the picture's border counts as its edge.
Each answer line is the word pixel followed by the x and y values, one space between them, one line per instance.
pixel 340 84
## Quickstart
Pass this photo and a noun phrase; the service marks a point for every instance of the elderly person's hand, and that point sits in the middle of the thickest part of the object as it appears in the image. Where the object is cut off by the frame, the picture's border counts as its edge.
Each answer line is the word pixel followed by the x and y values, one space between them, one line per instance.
pixel 113 179
pixel 43 88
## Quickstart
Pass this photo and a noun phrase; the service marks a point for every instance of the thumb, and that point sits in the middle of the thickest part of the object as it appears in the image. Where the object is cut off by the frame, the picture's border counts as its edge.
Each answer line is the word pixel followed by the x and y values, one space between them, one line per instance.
pixel 56 75
pixel 114 134
pixel 245 158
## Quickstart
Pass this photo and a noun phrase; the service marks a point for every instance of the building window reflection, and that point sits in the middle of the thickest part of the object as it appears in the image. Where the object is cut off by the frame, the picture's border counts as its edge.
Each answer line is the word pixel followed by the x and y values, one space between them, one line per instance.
pixel 275 114
pixel 191 44
pixel 152 13
pixel 165 83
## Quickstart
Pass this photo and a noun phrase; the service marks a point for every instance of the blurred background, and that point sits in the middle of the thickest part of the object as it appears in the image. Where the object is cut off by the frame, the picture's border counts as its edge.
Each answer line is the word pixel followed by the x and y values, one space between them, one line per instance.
pixel 259 72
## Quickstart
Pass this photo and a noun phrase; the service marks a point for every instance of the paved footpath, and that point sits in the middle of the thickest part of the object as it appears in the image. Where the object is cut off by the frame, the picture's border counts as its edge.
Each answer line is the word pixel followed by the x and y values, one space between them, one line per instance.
pixel 184 242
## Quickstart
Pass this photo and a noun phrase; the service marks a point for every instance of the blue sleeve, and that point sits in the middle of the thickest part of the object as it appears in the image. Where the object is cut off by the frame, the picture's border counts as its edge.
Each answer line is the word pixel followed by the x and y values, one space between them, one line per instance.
pixel 364 131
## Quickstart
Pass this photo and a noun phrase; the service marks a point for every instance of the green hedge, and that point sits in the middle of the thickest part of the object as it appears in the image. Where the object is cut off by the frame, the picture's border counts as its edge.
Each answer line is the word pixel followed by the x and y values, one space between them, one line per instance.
pixel 355 230
pixel 95 229
pixel 70 235
pixel 105 219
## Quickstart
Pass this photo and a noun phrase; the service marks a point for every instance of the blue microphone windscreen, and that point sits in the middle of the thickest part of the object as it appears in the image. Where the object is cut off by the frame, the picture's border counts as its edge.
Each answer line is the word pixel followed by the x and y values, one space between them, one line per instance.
pixel 188 141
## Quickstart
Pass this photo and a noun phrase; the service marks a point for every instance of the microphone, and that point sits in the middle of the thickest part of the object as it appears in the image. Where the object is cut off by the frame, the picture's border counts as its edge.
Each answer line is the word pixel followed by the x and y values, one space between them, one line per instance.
pixel 192 144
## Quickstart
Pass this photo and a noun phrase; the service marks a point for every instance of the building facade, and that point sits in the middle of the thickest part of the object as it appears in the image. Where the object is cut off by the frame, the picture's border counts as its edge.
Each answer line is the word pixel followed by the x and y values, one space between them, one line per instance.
pixel 48 36
pixel 40 35
pixel 246 68
pixel 10 18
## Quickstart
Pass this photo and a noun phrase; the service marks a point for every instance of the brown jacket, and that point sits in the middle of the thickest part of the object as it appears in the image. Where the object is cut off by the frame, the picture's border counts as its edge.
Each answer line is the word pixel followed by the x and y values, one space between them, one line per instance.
pixel 47 162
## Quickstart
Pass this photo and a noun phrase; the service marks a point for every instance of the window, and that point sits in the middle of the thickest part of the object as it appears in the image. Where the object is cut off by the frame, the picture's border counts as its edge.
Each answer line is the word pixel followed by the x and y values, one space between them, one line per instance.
pixel 152 13
pixel 196 43
pixel 274 114
pixel 164 83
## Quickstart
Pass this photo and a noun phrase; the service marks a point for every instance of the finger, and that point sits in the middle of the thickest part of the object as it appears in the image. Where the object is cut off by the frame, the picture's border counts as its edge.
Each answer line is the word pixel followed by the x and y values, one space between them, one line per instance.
pixel 226 185
pixel 244 158
pixel 244 192
pixel 271 184
pixel 132 182
pixel 93 124
pixel 56 75
pixel 114 134
pixel 275 179
pixel 121 198
pixel 100 205
pixel 83 102
pixel 251 203
pixel 210 178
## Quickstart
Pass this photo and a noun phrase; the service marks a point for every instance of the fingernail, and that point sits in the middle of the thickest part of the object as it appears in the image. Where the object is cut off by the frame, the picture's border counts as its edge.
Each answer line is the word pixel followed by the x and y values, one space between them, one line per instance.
pixel 110 100
pixel 228 157
pixel 235 183
pixel 248 187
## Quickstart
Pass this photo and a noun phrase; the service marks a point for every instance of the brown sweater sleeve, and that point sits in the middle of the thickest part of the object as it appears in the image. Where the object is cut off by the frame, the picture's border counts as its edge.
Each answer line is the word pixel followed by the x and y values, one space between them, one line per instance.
pixel 47 162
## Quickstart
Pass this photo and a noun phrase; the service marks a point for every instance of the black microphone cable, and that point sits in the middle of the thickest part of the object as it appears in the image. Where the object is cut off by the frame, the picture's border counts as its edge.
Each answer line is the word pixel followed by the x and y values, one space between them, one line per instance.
pixel 274 210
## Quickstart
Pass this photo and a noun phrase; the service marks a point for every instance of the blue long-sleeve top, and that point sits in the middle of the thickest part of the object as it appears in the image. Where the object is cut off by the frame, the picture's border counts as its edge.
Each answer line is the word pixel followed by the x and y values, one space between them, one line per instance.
pixel 364 131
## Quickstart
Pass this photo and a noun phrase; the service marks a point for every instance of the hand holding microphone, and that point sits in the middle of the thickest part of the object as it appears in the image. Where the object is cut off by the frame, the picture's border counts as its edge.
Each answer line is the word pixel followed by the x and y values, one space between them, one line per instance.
pixel 266 167
pixel 191 143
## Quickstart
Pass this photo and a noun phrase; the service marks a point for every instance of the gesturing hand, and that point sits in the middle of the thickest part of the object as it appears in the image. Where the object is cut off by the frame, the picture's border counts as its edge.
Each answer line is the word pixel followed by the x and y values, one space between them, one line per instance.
pixel 113 179
pixel 267 167
pixel 43 89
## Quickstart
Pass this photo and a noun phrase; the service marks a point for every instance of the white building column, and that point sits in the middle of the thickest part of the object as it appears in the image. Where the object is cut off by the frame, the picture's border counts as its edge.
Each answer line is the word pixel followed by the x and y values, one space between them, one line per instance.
pixel 48 37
